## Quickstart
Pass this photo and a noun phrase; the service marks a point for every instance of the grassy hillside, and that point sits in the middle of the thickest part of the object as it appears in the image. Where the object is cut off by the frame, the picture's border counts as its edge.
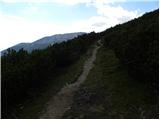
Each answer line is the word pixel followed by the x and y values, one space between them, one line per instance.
pixel 33 107
pixel 25 74
pixel 109 92
pixel 124 81
pixel 136 44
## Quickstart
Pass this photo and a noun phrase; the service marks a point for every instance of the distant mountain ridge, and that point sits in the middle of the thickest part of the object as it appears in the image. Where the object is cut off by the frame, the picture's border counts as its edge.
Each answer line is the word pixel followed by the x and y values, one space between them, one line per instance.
pixel 45 42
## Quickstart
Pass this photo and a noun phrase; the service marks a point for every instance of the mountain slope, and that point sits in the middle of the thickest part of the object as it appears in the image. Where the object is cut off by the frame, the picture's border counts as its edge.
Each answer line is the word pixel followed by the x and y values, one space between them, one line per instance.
pixel 136 44
pixel 124 82
pixel 60 103
pixel 46 41
pixel 27 76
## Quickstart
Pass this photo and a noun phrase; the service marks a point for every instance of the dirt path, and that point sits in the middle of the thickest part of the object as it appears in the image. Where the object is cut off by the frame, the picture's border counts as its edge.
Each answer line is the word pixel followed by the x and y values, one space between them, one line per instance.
pixel 61 102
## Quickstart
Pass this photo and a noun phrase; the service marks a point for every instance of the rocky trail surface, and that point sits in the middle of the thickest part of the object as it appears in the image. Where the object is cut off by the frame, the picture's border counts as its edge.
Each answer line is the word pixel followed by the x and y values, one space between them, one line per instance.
pixel 62 101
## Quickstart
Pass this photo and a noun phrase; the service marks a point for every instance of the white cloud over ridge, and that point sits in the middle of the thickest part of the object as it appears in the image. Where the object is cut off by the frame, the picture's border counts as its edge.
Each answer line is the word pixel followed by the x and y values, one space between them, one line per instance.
pixel 15 29
pixel 108 15
pixel 71 2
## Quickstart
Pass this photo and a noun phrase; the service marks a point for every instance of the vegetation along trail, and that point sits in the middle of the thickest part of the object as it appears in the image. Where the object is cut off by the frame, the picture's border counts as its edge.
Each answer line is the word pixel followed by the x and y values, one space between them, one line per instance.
pixel 61 102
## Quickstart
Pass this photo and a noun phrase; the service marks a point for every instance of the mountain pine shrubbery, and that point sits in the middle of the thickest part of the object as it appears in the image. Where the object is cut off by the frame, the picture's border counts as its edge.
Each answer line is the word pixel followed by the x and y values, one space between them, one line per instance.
pixel 136 44
pixel 23 72
pixel 124 81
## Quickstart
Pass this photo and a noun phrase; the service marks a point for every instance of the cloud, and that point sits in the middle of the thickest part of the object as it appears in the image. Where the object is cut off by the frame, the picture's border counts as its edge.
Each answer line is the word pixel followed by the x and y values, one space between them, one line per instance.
pixel 73 2
pixel 16 29
pixel 107 15
pixel 99 24
pixel 116 12
pixel 68 2
pixel 94 23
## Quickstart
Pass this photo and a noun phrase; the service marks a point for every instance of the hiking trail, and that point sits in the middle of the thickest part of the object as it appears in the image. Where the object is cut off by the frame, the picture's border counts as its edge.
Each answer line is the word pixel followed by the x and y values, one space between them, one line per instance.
pixel 62 101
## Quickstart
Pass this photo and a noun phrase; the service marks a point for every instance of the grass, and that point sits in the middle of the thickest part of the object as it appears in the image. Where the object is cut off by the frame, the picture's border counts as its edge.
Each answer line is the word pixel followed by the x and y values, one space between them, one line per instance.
pixel 33 108
pixel 109 92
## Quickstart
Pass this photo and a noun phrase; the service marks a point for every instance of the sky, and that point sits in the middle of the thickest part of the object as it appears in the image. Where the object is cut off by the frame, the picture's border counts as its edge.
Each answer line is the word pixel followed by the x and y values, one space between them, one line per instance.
pixel 30 20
